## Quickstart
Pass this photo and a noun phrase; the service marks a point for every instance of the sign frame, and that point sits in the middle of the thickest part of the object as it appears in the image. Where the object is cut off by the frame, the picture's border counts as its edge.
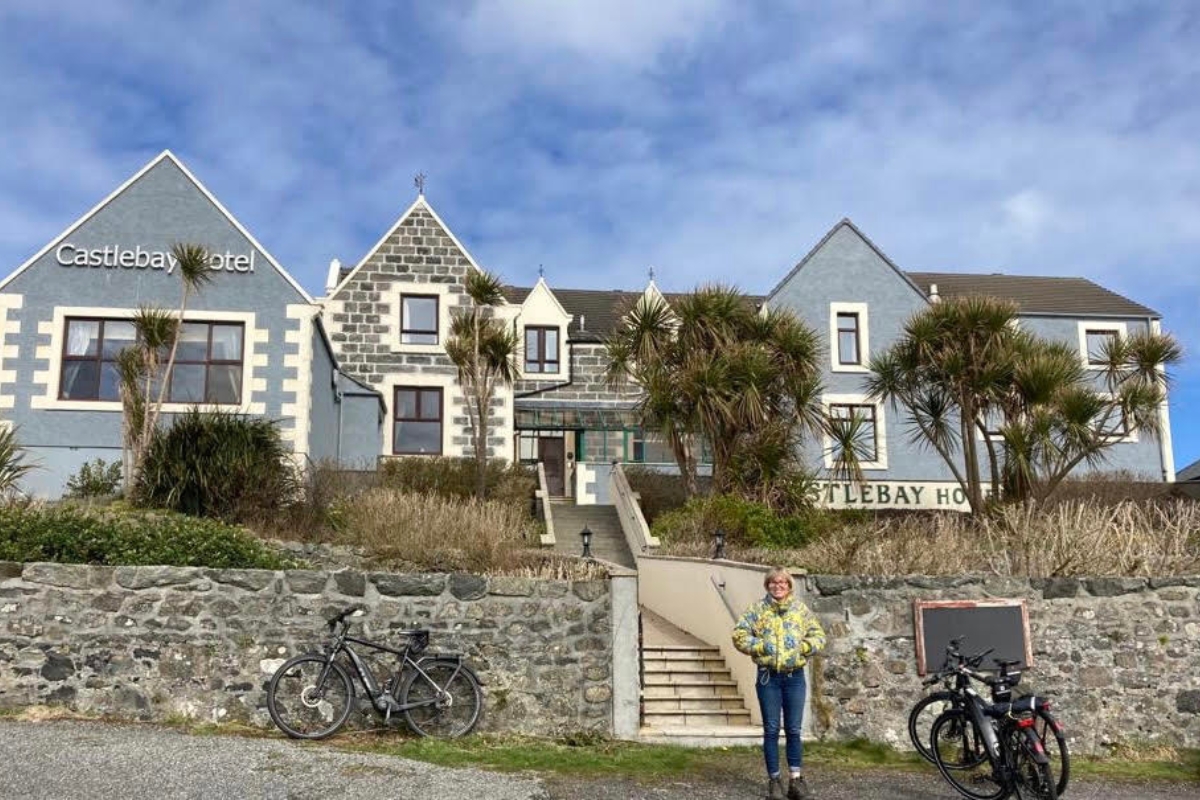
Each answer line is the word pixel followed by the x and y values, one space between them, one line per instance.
pixel 920 606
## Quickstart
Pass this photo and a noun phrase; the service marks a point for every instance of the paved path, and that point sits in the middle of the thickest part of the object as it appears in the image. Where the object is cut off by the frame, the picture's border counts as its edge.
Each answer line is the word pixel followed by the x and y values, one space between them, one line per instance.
pixel 77 760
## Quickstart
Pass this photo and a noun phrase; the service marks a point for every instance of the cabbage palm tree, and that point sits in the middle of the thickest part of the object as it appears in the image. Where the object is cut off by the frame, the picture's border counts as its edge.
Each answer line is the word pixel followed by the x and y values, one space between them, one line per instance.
pixel 484 349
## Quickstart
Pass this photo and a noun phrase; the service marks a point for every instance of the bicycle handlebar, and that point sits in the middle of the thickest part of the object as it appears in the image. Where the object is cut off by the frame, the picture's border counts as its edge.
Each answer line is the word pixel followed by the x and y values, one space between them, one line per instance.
pixel 342 616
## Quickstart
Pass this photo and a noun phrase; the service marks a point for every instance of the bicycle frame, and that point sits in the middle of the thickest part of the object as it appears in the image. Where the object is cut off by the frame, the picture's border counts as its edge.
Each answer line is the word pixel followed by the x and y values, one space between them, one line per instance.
pixel 366 675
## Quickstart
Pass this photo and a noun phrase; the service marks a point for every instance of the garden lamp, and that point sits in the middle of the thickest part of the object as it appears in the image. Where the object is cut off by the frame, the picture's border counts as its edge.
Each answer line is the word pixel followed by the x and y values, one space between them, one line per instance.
pixel 719 541
pixel 586 535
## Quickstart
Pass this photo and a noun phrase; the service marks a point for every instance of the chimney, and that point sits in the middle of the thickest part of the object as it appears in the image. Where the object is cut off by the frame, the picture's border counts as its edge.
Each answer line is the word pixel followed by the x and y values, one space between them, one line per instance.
pixel 333 278
pixel 934 297
pixel 582 322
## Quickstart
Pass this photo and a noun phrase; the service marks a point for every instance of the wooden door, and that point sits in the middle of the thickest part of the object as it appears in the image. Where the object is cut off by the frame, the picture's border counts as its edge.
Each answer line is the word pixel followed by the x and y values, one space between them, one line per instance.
pixel 553 455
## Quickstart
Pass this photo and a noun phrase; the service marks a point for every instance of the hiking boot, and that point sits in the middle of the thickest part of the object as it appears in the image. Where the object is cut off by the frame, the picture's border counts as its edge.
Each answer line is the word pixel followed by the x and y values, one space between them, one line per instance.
pixel 798 789
pixel 775 789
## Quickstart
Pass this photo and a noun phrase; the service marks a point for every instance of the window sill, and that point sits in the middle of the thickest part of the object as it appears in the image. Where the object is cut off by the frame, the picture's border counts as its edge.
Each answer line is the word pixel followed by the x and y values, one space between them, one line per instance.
pixel 859 368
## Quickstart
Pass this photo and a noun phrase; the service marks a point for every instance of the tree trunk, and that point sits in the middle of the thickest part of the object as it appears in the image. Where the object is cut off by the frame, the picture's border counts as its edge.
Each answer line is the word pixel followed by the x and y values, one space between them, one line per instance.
pixel 481 434
pixel 971 453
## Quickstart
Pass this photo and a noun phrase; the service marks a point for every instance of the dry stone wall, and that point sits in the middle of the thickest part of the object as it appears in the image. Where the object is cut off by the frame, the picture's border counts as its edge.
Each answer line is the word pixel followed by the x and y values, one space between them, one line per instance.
pixel 1120 656
pixel 161 642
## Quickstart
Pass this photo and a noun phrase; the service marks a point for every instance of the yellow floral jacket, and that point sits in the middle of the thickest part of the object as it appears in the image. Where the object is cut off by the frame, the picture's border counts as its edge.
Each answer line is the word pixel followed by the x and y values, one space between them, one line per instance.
pixel 779 635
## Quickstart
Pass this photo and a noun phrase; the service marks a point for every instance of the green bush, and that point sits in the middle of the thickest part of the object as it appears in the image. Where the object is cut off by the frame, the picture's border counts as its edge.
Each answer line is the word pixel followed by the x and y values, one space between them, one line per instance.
pixel 455 477
pixel 659 492
pixel 72 536
pixel 218 465
pixel 97 478
pixel 745 523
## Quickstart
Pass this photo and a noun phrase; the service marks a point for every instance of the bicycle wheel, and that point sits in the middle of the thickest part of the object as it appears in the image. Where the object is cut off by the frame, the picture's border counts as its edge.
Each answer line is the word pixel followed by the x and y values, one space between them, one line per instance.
pixel 449 696
pixel 920 720
pixel 308 701
pixel 1054 742
pixel 961 757
pixel 1034 781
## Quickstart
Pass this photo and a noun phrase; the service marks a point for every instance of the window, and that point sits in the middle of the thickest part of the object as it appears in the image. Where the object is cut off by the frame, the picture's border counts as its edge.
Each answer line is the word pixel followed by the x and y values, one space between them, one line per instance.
pixel 1098 344
pixel 208 361
pixel 864 437
pixel 418 319
pixel 417 413
pixel 847 339
pixel 541 349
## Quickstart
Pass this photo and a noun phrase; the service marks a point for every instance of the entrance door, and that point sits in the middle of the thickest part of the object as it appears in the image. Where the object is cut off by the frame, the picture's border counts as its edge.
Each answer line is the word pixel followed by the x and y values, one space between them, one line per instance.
pixel 553 455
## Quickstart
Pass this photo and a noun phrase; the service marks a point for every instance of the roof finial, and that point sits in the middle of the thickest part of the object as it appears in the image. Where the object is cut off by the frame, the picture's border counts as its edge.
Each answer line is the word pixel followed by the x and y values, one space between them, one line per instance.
pixel 419 182
pixel 541 271
pixel 652 274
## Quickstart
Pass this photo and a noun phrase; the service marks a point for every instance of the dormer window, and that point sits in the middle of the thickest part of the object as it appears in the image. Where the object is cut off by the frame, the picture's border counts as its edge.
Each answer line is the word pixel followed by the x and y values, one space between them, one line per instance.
pixel 541 349
pixel 418 319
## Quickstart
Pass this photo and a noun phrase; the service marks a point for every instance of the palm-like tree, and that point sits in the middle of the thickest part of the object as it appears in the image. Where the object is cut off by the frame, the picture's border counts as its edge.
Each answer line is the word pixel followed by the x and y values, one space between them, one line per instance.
pixel 485 351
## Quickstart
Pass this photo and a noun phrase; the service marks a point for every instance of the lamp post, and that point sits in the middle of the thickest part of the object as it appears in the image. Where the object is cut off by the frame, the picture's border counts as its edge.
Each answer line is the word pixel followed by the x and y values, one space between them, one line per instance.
pixel 586 535
pixel 719 542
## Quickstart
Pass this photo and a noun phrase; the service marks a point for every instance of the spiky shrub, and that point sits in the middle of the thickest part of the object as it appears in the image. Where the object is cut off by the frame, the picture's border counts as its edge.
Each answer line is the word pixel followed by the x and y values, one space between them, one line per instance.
pixel 13 466
pixel 218 465
pixel 98 478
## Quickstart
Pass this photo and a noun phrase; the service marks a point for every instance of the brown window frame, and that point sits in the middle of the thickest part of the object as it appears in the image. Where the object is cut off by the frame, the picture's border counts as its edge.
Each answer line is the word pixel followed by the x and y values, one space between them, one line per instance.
pixel 874 425
pixel 100 360
pixel 437 319
pixel 1107 333
pixel 542 361
pixel 440 419
pixel 857 331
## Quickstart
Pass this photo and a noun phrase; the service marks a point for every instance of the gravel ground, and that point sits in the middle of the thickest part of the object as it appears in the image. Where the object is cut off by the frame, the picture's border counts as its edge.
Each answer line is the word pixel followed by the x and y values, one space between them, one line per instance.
pixel 72 760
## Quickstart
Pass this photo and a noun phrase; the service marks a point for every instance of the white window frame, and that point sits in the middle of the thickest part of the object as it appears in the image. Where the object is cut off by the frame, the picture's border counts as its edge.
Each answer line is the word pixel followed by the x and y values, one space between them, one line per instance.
pixel 864 337
pixel 447 301
pixel 1099 327
pixel 881 449
pixel 1129 438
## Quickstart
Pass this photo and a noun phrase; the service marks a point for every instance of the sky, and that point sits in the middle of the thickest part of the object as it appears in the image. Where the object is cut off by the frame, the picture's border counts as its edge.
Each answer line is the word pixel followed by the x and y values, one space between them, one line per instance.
pixel 713 140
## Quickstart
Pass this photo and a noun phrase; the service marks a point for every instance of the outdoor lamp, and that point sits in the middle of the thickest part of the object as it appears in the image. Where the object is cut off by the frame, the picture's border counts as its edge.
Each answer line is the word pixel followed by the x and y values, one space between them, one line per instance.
pixel 586 535
pixel 719 540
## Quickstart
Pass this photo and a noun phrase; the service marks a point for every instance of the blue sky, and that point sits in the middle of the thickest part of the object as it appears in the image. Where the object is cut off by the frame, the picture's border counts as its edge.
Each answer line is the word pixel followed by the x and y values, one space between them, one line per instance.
pixel 710 139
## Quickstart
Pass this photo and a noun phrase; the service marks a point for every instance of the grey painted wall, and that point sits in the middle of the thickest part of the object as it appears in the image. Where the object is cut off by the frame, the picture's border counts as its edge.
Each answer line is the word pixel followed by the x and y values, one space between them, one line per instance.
pixel 361 426
pixel 324 408
pixel 162 207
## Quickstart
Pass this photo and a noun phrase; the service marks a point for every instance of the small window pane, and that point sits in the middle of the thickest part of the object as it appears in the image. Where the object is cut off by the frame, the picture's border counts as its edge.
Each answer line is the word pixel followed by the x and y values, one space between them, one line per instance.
pixel 1097 343
pixel 552 344
pixel 193 342
pixel 187 383
pixel 225 384
pixel 847 347
pixel 532 348
pixel 81 380
pixel 431 405
pixel 418 437
pixel 226 343
pixel 83 337
pixel 110 380
pixel 117 336
pixel 406 404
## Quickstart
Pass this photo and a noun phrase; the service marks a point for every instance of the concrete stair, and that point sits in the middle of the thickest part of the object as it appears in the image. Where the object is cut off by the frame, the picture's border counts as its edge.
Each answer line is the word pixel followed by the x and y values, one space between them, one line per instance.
pixel 608 541
pixel 688 695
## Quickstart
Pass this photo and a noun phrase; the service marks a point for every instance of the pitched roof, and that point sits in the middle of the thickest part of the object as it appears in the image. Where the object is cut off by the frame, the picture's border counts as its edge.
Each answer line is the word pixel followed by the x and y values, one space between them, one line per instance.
pixel 1036 294
pixel 1189 473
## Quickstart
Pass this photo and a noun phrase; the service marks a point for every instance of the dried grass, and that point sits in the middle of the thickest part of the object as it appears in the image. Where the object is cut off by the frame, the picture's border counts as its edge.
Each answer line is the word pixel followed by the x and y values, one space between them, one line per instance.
pixel 1067 539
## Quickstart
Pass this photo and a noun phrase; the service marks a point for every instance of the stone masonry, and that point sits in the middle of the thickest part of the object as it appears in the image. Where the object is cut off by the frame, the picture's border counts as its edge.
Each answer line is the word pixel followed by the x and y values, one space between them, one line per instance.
pixel 163 642
pixel 1119 656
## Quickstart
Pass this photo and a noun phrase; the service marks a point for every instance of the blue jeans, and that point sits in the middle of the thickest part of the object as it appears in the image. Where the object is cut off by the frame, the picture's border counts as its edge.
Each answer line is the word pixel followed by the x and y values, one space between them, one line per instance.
pixel 781 694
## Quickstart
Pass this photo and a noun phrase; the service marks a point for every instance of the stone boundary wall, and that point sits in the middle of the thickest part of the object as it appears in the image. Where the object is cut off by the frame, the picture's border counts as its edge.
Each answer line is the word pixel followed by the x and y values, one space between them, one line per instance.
pixel 1119 656
pixel 171 642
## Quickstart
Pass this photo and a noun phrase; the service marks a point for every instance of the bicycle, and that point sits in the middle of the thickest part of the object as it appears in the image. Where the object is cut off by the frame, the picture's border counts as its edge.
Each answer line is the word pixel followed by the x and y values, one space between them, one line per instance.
pixel 311 695
pixel 925 712
pixel 990 751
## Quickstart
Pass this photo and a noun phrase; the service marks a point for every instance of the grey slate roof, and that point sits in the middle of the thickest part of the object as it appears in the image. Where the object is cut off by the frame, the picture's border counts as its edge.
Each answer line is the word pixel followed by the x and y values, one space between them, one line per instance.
pixel 1189 473
pixel 1036 294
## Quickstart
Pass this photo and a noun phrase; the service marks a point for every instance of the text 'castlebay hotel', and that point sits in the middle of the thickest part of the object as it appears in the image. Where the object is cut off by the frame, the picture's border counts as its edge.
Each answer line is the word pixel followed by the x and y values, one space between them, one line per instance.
pixel 361 373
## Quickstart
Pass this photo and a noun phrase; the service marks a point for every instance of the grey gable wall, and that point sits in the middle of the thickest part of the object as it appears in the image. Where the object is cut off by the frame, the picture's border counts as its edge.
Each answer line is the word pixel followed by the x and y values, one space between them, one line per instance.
pixel 158 209
pixel 846 268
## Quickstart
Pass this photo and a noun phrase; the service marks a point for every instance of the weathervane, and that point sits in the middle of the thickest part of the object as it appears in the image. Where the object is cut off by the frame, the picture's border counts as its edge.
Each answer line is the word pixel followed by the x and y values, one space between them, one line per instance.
pixel 541 271
pixel 419 182
pixel 652 273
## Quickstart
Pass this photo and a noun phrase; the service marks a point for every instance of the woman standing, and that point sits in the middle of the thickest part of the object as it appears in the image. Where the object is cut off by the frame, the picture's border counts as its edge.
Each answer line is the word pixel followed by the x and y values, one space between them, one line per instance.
pixel 780 633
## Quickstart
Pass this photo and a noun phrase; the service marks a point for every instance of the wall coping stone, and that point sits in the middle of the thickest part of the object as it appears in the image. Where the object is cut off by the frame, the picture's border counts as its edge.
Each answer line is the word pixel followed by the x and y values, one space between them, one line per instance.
pixel 1111 587
pixel 70 576
pixel 254 580
pixel 507 586
pixel 306 581
pixel 409 585
pixel 466 586
pixel 149 577
pixel 11 569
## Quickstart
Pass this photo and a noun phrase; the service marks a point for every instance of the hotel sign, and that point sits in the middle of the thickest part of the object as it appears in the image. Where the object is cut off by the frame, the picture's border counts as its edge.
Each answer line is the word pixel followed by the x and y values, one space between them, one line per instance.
pixel 928 495
pixel 117 257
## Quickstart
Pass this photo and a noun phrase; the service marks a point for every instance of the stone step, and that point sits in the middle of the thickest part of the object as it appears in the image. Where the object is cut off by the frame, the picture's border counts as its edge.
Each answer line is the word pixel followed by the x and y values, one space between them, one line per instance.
pixel 702 736
pixel 685 676
pixel 672 718
pixel 680 651
pixel 694 704
pixel 722 689
pixel 680 664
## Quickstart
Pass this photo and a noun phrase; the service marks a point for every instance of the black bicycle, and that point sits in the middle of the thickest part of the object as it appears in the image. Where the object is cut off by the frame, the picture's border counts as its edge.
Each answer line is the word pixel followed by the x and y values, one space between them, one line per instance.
pixel 955 681
pixel 311 696
pixel 990 751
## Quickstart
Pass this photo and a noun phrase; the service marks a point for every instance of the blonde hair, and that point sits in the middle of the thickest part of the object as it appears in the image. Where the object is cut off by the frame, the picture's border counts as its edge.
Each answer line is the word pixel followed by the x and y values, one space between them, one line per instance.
pixel 776 572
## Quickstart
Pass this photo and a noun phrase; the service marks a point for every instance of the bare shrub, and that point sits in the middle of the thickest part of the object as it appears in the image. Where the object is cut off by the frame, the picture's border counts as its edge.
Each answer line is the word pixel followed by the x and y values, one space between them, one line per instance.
pixel 1069 538
pixel 1110 488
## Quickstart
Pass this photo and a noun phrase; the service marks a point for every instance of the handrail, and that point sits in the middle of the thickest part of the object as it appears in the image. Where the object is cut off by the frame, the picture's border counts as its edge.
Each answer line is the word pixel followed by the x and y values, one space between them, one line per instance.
pixel 543 495
pixel 720 587
pixel 629 511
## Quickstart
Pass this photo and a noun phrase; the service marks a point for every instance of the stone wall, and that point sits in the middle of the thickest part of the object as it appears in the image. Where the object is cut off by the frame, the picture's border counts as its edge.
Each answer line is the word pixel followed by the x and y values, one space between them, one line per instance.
pixel 1120 656
pixel 159 642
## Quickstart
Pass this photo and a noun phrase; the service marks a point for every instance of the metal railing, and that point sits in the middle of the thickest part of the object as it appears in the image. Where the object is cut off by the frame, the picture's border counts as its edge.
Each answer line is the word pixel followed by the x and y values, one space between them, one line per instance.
pixel 719 585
